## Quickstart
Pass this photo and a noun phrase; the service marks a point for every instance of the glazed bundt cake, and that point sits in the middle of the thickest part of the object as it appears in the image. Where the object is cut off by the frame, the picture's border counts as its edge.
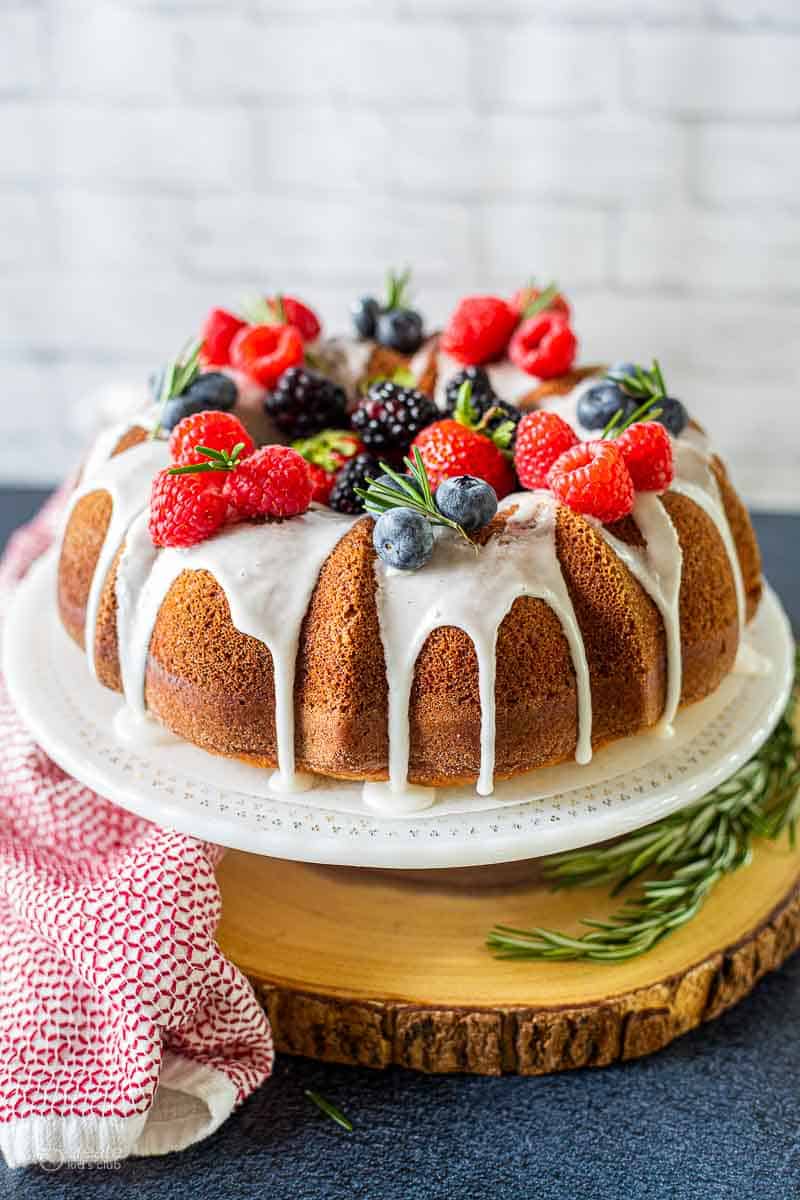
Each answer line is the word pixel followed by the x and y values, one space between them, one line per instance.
pixel 296 642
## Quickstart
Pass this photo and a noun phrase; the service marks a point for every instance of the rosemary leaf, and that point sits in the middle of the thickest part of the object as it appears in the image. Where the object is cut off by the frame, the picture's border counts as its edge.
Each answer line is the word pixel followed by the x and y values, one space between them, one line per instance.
pixel 330 1110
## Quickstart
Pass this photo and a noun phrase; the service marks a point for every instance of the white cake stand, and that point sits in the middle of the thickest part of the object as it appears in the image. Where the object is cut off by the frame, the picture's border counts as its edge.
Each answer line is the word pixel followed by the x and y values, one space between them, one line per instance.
pixel 626 786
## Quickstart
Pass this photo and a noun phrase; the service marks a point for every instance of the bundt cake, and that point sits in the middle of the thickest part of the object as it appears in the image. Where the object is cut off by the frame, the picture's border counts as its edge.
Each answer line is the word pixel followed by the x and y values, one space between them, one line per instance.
pixel 536 639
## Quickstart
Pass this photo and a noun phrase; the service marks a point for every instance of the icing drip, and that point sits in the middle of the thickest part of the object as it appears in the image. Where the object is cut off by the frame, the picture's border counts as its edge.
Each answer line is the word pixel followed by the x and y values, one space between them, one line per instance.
pixel 474 591
pixel 695 479
pixel 657 566
pixel 267 573
pixel 127 478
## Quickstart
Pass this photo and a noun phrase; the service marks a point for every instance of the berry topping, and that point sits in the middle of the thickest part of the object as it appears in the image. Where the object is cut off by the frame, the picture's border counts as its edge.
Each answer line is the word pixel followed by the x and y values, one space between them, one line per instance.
pixel 211 392
pixel 208 430
pixel 465 446
pixel 543 345
pixel 185 509
pixel 272 482
pixel 394 324
pixel 601 402
pixel 592 478
pixel 647 451
pixel 479 330
pixel 329 449
pixel 389 417
pixel 303 402
pixel 353 475
pixel 468 501
pixel 283 310
pixel 264 352
pixel 673 415
pixel 403 539
pixel 219 329
pixel 482 399
pixel 364 313
pixel 449 448
pixel 542 437
pixel 530 300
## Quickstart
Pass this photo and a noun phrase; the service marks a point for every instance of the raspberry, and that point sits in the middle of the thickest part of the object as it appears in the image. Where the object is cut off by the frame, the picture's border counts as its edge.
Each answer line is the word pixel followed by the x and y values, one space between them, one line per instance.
pixel 272 482
pixel 449 448
pixel 218 331
pixel 217 430
pixel 544 346
pixel 592 478
pixel 322 482
pixel 304 402
pixel 264 352
pixel 289 311
pixel 353 475
pixel 542 437
pixel 389 417
pixel 185 509
pixel 479 329
pixel 647 452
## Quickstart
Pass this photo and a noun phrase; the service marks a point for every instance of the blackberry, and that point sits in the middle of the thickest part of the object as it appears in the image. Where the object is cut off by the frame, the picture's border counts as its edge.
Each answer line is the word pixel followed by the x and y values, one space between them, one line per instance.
pixel 482 399
pixel 352 475
pixel 390 416
pixel 303 402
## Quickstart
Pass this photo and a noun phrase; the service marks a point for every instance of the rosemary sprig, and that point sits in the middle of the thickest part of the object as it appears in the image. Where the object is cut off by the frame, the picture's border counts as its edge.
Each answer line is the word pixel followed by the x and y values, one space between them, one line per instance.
pixel 216 460
pixel 685 854
pixel 406 491
pixel 397 289
pixel 543 301
pixel 330 1110
pixel 257 310
pixel 179 373
pixel 647 386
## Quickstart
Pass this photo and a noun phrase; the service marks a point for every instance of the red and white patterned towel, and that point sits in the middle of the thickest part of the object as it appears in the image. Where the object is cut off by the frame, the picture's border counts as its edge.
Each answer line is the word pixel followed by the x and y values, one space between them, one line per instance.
pixel 123 1030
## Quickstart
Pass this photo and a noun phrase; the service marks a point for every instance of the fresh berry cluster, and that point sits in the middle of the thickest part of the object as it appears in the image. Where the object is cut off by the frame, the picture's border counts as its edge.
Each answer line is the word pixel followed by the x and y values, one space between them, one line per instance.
pixel 406 510
pixel 625 387
pixel 265 342
pixel 483 399
pixel 533 329
pixel 394 323
pixel 600 477
pixel 218 477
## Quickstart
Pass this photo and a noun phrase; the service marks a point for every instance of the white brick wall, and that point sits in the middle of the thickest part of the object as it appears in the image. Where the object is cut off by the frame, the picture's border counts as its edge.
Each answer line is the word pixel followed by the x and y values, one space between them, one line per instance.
pixel 163 155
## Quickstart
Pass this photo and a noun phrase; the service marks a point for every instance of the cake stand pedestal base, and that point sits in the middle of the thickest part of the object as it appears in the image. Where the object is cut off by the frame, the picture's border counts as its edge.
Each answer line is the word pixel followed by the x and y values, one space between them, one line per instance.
pixel 389 967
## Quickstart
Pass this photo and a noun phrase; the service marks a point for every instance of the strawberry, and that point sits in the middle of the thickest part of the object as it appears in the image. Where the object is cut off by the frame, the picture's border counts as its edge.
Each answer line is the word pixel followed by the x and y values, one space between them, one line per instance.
pixel 326 453
pixel 542 437
pixel 216 430
pixel 479 329
pixel 186 509
pixel 592 478
pixel 264 352
pixel 647 451
pixel 543 345
pixel 273 482
pixel 218 331
pixel 289 311
pixel 530 300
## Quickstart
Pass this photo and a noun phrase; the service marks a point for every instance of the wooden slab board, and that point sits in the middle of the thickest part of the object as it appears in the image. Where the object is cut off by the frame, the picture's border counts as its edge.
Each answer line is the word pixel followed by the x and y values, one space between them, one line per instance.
pixel 382 967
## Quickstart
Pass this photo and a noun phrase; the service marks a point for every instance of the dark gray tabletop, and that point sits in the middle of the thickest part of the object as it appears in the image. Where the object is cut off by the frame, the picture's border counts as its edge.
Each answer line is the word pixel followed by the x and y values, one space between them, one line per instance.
pixel 717 1114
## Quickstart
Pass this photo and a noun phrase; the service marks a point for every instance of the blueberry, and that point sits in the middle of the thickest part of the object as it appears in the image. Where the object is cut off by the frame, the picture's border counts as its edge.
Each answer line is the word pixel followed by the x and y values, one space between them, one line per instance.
pixel 364 313
pixel 598 405
pixel 468 501
pixel 674 416
pixel 400 329
pixel 210 391
pixel 403 539
pixel 620 369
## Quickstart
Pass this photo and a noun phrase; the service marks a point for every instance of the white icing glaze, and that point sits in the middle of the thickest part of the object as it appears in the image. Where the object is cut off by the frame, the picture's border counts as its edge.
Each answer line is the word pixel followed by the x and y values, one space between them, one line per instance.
pixel 127 478
pixel 473 590
pixel 383 798
pixel 267 573
pixel 657 567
